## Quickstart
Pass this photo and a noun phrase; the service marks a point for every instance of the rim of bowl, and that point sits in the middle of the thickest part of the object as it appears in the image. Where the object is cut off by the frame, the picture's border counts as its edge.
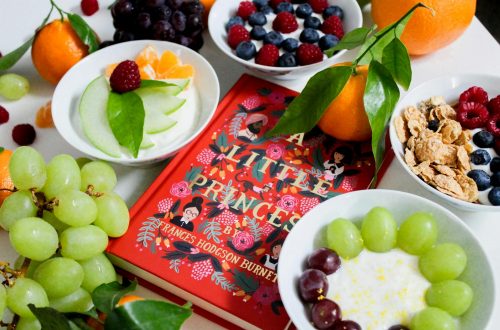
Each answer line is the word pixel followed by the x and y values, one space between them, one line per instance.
pixel 395 141
pixel 91 151
pixel 417 199
pixel 212 28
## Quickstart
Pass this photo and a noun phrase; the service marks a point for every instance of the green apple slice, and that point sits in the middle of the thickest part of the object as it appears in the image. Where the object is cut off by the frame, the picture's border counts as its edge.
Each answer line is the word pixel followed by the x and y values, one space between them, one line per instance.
pixel 147 142
pixel 156 122
pixel 156 100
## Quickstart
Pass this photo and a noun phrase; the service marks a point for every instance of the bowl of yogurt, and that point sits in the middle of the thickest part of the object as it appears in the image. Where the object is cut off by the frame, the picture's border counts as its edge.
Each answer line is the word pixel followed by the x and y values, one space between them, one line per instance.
pixel 378 290
pixel 164 135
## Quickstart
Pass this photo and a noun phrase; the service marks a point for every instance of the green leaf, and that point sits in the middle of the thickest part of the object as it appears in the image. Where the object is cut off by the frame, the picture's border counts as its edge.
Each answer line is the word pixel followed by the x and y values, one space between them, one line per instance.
pixel 351 40
pixel 1 149
pixel 147 315
pixel 380 98
pixel 106 296
pixel 306 109
pixel 155 83
pixel 395 58
pixel 84 32
pixel 126 115
pixel 49 318
pixel 7 61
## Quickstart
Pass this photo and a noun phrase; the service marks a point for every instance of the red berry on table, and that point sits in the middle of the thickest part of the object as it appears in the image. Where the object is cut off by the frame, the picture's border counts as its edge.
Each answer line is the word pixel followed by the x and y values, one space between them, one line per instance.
pixel 472 115
pixel 318 5
pixel 309 54
pixel 333 25
pixel 494 105
pixel 474 94
pixel 493 125
pixel 23 134
pixel 4 115
pixel 268 55
pixel 275 3
pixel 125 77
pixel 89 7
pixel 285 22
pixel 245 9
pixel 236 35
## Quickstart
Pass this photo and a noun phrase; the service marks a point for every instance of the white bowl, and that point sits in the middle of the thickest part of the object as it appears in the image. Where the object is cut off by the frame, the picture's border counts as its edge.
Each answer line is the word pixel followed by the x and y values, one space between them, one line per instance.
pixel 70 89
pixel 308 235
pixel 222 10
pixel 450 87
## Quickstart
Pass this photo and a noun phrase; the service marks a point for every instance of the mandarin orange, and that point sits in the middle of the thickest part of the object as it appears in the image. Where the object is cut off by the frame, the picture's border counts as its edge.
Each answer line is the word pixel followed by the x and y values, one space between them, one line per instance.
pixel 6 184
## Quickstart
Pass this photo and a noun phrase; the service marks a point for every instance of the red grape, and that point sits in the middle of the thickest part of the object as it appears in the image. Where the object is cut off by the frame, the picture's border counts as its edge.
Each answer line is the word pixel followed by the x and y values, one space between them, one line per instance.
pixel 345 325
pixel 313 285
pixel 325 260
pixel 325 313
pixel 399 327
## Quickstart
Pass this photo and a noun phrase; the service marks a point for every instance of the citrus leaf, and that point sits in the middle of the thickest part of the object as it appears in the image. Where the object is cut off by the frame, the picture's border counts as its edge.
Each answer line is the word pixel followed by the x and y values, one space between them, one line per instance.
pixel 49 318
pixel 147 315
pixel 306 109
pixel 351 40
pixel 84 32
pixel 154 83
pixel 7 61
pixel 106 296
pixel 126 115
pixel 395 58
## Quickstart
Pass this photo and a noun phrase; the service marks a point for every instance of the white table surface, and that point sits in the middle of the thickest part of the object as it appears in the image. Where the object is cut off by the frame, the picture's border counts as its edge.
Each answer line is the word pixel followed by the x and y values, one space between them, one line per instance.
pixel 474 52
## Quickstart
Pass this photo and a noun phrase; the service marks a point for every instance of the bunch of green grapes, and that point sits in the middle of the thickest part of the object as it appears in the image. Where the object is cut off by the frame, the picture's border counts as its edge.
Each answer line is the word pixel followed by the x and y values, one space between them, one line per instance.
pixel 60 218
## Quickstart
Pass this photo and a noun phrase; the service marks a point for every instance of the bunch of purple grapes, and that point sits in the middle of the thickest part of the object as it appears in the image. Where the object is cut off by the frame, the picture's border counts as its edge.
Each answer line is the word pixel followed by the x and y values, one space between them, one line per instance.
pixel 179 21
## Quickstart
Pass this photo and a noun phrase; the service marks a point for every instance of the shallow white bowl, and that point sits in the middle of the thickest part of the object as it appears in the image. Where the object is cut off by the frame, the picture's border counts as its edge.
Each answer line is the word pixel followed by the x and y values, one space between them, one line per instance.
pixel 308 235
pixel 450 87
pixel 70 89
pixel 222 10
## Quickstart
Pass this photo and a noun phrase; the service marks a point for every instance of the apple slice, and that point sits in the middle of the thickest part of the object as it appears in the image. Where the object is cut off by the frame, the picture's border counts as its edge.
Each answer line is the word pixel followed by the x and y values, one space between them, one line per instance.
pixel 156 122
pixel 155 99
pixel 147 142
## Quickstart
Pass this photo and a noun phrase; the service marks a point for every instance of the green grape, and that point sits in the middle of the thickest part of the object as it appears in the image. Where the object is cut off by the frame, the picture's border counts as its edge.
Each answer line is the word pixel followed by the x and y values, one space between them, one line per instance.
pixel 28 324
pixel 27 169
pixel 3 299
pixel 82 161
pixel 17 206
pixel 62 173
pixel 98 174
pixel 112 214
pixel 379 230
pixel 417 233
pixel 26 291
pixel 33 238
pixel 59 276
pixel 31 268
pixel 58 225
pixel 75 208
pixel 432 318
pixel 98 270
pixel 454 297
pixel 13 86
pixel 343 237
pixel 78 301
pixel 83 242
pixel 443 262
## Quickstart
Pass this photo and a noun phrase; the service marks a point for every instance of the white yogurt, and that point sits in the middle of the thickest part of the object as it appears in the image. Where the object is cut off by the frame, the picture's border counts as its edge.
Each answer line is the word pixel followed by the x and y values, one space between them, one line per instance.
pixel 483 195
pixel 379 290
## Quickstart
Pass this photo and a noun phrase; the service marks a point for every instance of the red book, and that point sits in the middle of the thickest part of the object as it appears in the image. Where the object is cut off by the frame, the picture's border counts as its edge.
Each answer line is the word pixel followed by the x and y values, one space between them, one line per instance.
pixel 211 226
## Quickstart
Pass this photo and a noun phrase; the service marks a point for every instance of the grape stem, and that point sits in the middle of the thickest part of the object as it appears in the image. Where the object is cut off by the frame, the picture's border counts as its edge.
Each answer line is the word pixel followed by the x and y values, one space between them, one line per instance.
pixel 10 274
pixel 90 191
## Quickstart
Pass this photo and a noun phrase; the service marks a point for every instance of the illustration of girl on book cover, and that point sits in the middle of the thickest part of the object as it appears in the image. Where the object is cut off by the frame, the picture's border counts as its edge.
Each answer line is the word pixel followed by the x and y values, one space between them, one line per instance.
pixel 271 260
pixel 341 156
pixel 190 211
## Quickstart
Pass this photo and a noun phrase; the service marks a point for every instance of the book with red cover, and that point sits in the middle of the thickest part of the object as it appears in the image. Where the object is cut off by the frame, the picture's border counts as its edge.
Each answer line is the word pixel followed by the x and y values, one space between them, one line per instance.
pixel 211 226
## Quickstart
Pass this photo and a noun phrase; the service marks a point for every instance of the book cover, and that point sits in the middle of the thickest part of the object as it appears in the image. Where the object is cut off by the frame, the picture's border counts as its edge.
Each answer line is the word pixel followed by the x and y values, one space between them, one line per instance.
pixel 211 226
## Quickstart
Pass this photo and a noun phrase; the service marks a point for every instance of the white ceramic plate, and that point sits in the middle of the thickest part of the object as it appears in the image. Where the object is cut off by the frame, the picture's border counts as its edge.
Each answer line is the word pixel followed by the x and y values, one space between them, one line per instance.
pixel 450 87
pixel 308 235
pixel 69 91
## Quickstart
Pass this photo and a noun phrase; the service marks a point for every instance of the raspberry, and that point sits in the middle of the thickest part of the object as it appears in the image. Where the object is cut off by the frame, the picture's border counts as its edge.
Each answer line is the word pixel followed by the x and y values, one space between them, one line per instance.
pixel 472 115
pixel 285 22
pixel 275 3
pixel 237 34
pixel 474 94
pixel 246 9
pixel 493 125
pixel 268 55
pixel 333 25
pixel 4 115
pixel 318 5
pixel 494 105
pixel 23 134
pixel 309 54
pixel 165 204
pixel 89 7
pixel 202 269
pixel 125 77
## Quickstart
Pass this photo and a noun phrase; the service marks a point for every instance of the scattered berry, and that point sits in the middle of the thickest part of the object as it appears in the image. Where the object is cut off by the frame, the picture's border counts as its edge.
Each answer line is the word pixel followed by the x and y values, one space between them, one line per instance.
pixel 24 134
pixel 236 35
pixel 287 60
pixel 495 165
pixel 290 44
pixel 89 7
pixel 493 125
pixel 483 139
pixel 433 125
pixel 284 6
pixel 481 178
pixel 494 105
pixel 318 5
pixel 480 157
pixel 474 94
pixel 245 9
pixel 275 3
pixel 309 54
pixel 312 22
pixel 266 10
pixel 125 77
pixel 472 115
pixel 309 35
pixel 4 115
pixel 333 11
pixel 268 55
pixel 257 18
pixel 304 10
pixel 285 23
pixel 236 20
pixel 494 196
pixel 246 50
pixel 258 33
pixel 333 25
pixel 495 179
pixel 328 41
pixel 273 38
pixel 260 3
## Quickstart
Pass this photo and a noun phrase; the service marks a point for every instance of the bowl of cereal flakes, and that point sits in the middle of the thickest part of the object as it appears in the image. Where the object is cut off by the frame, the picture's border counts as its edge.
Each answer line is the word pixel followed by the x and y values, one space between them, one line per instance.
pixel 446 134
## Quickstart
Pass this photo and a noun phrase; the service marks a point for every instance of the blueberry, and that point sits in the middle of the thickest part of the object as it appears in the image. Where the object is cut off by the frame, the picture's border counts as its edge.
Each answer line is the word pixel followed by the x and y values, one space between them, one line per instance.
pixel 290 44
pixel 257 19
pixel 274 38
pixel 494 196
pixel 481 178
pixel 284 6
pixel 312 22
pixel 246 50
pixel 287 60
pixel 266 9
pixel 495 179
pixel 480 157
pixel 309 35
pixel 260 3
pixel 433 125
pixel 258 33
pixel 484 139
pixel 304 10
pixel 495 165
pixel 236 20
pixel 328 41
pixel 333 11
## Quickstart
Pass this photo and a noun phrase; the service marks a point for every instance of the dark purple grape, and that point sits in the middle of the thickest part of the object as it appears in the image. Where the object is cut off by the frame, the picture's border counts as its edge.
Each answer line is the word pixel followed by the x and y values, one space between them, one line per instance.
pixel 313 285
pixel 153 3
pixel 194 23
pixel 324 259
pixel 178 21
pixel 398 327
pixel 174 4
pixel 183 40
pixel 105 44
pixel 122 9
pixel 193 7
pixel 197 42
pixel 325 313
pixel 163 30
pixel 346 325
pixel 122 36
pixel 162 13
pixel 143 21
pixel 120 24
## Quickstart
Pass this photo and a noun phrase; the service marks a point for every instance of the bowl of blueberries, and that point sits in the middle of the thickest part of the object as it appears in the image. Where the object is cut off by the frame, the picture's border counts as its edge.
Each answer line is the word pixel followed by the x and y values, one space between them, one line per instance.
pixel 284 39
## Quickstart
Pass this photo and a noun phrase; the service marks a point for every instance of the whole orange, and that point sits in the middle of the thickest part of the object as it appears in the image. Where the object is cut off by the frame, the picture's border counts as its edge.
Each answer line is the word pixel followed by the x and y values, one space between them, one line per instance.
pixel 5 179
pixel 208 5
pixel 427 30
pixel 345 118
pixel 56 49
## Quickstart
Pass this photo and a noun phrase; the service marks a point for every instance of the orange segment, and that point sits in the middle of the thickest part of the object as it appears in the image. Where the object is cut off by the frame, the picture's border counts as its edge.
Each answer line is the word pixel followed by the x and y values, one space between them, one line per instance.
pixel 44 116
pixel 5 181
pixel 167 61
pixel 110 68
pixel 147 72
pixel 148 56
pixel 180 72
